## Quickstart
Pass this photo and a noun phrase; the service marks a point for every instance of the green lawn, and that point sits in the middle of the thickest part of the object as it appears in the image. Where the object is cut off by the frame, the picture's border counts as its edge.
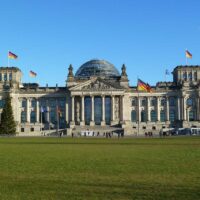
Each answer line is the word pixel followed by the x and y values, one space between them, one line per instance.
pixel 94 168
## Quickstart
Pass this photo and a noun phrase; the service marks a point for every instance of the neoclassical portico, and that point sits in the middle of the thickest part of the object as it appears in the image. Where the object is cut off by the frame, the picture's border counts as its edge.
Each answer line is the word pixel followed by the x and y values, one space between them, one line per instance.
pixel 96 102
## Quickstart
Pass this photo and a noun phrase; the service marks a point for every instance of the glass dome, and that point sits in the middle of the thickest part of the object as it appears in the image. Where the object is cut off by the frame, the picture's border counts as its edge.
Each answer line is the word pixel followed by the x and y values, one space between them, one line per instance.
pixel 97 68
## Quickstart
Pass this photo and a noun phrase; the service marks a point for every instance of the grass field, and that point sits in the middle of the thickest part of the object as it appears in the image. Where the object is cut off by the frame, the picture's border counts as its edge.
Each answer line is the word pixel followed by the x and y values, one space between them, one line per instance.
pixel 94 168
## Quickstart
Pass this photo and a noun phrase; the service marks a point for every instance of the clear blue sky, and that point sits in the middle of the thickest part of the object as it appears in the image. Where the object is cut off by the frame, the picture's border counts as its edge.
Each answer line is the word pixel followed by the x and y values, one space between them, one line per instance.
pixel 149 36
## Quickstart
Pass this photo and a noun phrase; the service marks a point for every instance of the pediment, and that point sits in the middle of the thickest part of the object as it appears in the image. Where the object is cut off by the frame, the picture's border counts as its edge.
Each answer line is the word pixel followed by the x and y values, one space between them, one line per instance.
pixel 95 84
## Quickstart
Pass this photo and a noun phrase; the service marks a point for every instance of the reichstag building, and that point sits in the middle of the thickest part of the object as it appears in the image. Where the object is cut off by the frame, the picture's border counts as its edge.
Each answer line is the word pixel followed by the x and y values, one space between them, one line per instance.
pixel 99 98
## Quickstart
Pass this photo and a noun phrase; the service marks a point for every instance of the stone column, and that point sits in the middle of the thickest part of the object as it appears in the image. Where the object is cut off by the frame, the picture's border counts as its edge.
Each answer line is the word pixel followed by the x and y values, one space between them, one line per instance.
pixel 178 109
pixel 82 111
pixel 92 111
pixel 73 109
pixel 47 114
pixel 148 109
pixel 113 111
pixel 28 110
pixel 167 108
pixel 158 109
pixel 37 111
pixel 103 110
pixel 198 108
pixel 138 110
pixel 184 110
pixel 121 108
pixel 67 109
pixel 113 108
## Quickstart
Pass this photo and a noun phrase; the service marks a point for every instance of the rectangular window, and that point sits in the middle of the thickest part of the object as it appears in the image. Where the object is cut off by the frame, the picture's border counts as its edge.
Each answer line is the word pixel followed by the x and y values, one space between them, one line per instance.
pixel 5 77
pixel 10 76
pixel 32 129
pixel 22 129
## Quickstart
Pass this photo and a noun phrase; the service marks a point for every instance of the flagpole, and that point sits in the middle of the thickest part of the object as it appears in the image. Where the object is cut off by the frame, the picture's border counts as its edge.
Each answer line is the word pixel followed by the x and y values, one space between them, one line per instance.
pixel 186 59
pixel 138 103
pixel 138 115
pixel 41 118
pixel 8 59
pixel 57 119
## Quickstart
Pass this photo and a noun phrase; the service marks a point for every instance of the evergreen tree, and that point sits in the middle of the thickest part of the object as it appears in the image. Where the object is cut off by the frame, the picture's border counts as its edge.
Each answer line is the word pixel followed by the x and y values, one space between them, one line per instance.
pixel 7 124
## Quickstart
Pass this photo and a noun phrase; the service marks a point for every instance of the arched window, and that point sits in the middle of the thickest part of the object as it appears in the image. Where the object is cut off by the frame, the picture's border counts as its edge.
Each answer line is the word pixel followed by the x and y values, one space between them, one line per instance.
pixel 133 116
pixel 23 117
pixel 171 115
pixel 189 101
pixel 143 116
pixel 162 116
pixel 153 116
pixel 191 115
pixel 33 117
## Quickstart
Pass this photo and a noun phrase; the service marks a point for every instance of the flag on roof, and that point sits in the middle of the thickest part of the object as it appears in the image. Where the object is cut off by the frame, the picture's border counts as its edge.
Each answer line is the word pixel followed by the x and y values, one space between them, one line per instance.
pixel 12 55
pixel 142 86
pixel 188 54
pixel 32 74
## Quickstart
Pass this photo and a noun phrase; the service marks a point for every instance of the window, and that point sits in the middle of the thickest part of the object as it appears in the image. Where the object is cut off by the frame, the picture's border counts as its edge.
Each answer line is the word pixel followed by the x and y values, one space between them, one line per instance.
pixel 133 102
pixel 143 102
pixel 5 77
pixel 185 76
pixel 171 115
pixel 133 116
pixel 32 129
pixel 10 76
pixel 52 103
pixel 190 76
pixel 162 116
pixel 61 103
pixel 195 76
pixel 23 117
pixel 52 116
pixel 2 102
pixel 162 102
pixel 191 115
pixel 143 116
pixel 33 103
pixel 22 129
pixel 153 102
pixel 24 103
pixel 190 102
pixel 171 101
pixel 0 76
pixel 153 116
pixel 33 117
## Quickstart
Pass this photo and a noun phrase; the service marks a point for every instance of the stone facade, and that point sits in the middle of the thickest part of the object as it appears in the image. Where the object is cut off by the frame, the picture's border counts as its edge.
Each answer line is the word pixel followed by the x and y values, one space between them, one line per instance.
pixel 103 102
